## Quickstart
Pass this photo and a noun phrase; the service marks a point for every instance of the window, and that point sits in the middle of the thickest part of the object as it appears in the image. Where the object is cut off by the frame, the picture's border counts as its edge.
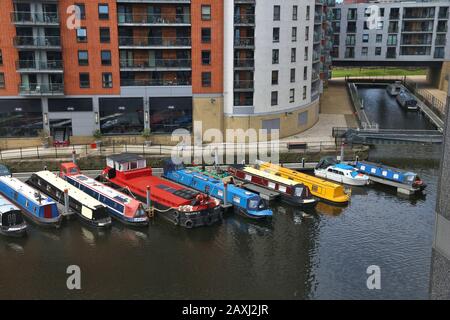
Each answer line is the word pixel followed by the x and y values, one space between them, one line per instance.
pixel 293 55
pixel 392 40
pixel 2 80
pixel 276 13
pixel 84 80
pixel 308 12
pixel 106 57
pixel 292 95
pixel 274 98
pixel 1 57
pixel 306 33
pixel 105 36
pixel 206 12
pixel 365 38
pixel 103 11
pixel 83 58
pixel 379 38
pixel 378 51
pixel 364 51
pixel 206 79
pixel 274 77
pixel 303 118
pixel 275 56
pixel 305 90
pixel 276 35
pixel 380 25
pixel 306 53
pixel 305 73
pixel 206 35
pixel 107 80
pixel 82 34
pixel 294 34
pixel 350 40
pixel 206 57
pixel 82 9
pixel 294 13
pixel 293 75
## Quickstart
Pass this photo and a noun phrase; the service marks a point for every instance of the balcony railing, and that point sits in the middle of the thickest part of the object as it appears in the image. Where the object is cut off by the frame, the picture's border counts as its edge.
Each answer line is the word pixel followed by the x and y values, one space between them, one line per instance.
pixel 244 19
pixel 154 42
pixel 243 84
pixel 40 65
pixel 27 17
pixel 244 42
pixel 41 89
pixel 244 63
pixel 154 18
pixel 30 41
pixel 154 82
pixel 156 63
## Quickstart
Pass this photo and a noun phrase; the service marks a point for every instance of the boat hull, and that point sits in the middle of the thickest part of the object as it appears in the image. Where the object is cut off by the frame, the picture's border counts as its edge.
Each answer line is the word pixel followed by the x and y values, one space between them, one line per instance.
pixel 132 222
pixel 344 180
pixel 15 231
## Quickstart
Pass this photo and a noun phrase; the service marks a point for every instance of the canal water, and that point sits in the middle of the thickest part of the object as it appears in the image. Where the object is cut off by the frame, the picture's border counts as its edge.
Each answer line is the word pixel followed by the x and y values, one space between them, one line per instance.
pixel 383 109
pixel 325 255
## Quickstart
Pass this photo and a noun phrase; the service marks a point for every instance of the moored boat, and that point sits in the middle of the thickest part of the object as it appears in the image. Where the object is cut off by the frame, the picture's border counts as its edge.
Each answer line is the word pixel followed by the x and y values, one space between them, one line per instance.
pixel 340 172
pixel 291 192
pixel 173 202
pixel 120 206
pixel 407 101
pixel 394 88
pixel 35 206
pixel 12 223
pixel 245 203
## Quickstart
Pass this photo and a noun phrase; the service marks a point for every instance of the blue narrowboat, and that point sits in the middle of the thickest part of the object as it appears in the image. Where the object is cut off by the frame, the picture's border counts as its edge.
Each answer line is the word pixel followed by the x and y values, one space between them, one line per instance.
pixel 406 178
pixel 245 203
pixel 34 205
pixel 11 220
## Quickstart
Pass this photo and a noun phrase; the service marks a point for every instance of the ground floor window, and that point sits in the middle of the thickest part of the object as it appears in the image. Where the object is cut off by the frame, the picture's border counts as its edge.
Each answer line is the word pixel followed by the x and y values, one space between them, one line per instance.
pixel 169 114
pixel 20 117
pixel 121 116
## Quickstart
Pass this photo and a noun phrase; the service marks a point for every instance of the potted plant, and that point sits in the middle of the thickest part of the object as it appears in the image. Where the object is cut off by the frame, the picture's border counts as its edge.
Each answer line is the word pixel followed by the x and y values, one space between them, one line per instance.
pixel 146 136
pixel 44 135
pixel 98 137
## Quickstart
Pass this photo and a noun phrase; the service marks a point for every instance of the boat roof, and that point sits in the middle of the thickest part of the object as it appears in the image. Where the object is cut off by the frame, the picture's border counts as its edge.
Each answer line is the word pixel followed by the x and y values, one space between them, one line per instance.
pixel 103 189
pixel 344 166
pixel 382 166
pixel 125 157
pixel 4 171
pixel 270 176
pixel 74 192
pixel 27 191
pixel 6 205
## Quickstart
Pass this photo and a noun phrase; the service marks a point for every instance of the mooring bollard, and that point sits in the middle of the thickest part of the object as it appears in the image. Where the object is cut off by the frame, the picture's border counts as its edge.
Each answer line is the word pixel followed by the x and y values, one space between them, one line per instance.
pixel 342 151
pixel 74 156
pixel 66 201
pixel 303 163
pixel 149 201
pixel 225 194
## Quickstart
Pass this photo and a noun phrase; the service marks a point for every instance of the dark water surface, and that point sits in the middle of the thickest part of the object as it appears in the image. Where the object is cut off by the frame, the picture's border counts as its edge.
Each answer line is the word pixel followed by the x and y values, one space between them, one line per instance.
pixel 294 257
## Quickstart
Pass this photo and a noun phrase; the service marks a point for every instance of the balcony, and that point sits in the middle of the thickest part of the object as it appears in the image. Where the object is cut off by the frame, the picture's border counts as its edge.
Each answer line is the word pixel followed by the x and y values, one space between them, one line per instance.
pixel 419 13
pixel 244 42
pixel 155 64
pixel 28 18
pixel 244 64
pixel 154 20
pixel 50 42
pixel 243 85
pixel 40 66
pixel 154 82
pixel 146 42
pixel 40 89
pixel 244 19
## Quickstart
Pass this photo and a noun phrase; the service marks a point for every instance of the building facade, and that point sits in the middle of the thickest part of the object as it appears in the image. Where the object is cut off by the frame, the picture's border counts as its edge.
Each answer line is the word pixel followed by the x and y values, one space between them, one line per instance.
pixel 74 67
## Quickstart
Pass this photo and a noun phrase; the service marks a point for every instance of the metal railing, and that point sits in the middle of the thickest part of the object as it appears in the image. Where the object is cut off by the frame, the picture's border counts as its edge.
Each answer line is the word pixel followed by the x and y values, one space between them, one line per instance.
pixel 155 41
pixel 154 82
pixel 244 19
pixel 39 65
pixel 155 63
pixel 41 89
pixel 154 18
pixel 243 84
pixel 244 63
pixel 28 17
pixel 40 41
pixel 244 42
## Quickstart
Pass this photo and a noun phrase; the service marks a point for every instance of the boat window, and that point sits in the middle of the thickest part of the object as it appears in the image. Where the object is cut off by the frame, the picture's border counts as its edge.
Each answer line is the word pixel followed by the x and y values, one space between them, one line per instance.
pixel 73 170
pixel 16 195
pixel 410 178
pixel 26 204
pixel 236 199
pixel 253 204
pixel 133 165
pixel 396 176
pixel 298 191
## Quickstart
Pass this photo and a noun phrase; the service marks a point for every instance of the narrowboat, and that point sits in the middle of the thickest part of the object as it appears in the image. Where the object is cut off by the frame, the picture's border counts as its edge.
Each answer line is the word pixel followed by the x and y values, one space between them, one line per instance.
pixel 12 223
pixel 89 210
pixel 245 203
pixel 173 202
pixel 394 89
pixel 120 206
pixel 407 101
pixel 291 192
pixel 409 179
pixel 330 169
pixel 322 189
pixel 35 206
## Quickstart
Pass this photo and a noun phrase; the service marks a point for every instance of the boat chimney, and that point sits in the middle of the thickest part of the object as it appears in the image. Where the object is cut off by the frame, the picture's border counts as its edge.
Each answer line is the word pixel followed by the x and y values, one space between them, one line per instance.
pixel 74 157
pixel 342 152
pixel 149 201
pixel 66 201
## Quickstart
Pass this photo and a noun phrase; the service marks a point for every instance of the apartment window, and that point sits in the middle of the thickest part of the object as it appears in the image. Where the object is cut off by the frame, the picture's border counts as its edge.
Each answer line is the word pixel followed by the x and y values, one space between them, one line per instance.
pixel 85 80
pixel 392 40
pixel 379 38
pixel 306 54
pixel 305 90
pixel 107 80
pixel 380 25
pixel 274 77
pixel 305 73
pixel 291 95
pixel 349 52
pixel 350 40
pixel 378 51
pixel 276 13
pixel 294 13
pixel 308 12
pixel 82 9
pixel 2 80
pixel 276 35
pixel 206 79
pixel 294 34
pixel 83 58
pixel 1 57
pixel 275 56
pixel 206 57
pixel 303 118
pixel 105 36
pixel 106 57
pixel 337 14
pixel 206 12
pixel 274 98
pixel 293 75
pixel 293 55
pixel 82 34
pixel 364 51
pixel 306 33
pixel 365 38
pixel 206 35
pixel 103 11
pixel 381 12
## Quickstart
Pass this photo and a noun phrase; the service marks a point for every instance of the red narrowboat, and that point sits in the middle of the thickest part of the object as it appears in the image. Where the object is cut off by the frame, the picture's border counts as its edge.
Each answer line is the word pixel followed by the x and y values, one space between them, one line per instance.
pixel 173 202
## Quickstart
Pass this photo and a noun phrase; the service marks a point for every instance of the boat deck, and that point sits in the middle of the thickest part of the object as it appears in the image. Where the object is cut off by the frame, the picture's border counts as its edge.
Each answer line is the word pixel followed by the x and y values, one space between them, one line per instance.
pixel 263 192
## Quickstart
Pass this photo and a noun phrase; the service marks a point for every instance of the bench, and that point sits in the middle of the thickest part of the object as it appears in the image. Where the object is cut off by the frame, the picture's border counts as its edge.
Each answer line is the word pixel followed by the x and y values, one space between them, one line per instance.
pixel 297 145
